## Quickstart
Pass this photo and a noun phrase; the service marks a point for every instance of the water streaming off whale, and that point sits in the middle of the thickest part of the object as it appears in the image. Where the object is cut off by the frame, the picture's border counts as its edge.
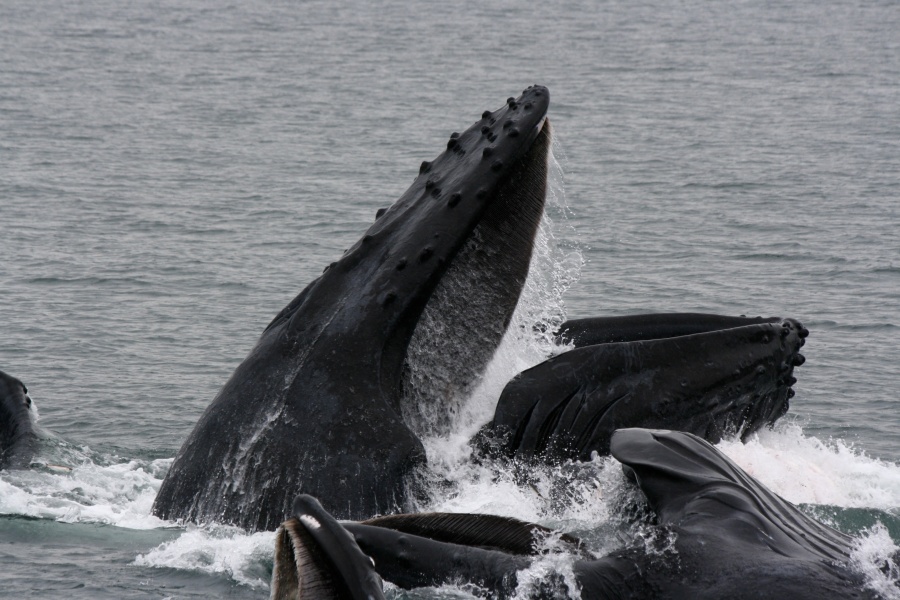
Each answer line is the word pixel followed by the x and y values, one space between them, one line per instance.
pixel 472 306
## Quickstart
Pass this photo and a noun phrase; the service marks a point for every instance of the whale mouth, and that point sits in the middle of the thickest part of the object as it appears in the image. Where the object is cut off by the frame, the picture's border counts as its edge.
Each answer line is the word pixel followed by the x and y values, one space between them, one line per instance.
pixel 470 308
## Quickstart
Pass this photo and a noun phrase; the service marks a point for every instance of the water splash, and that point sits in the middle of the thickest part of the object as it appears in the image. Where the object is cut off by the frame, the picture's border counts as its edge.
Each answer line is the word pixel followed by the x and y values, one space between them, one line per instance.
pixel 529 338
pixel 86 488
pixel 453 354
pixel 217 549
pixel 550 576
pixel 806 470
pixel 875 555
pixel 444 592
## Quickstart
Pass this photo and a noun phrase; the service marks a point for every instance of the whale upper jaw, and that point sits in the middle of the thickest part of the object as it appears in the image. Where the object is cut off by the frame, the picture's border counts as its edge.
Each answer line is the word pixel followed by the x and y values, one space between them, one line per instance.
pixel 490 181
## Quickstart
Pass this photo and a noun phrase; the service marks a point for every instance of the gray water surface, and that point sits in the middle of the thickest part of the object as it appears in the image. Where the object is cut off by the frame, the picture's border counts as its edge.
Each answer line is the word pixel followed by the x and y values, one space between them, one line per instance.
pixel 173 173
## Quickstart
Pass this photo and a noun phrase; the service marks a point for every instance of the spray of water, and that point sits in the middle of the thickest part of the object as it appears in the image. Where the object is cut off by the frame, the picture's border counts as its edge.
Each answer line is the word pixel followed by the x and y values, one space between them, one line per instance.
pixel 459 482
pixel 550 576
pixel 245 558
pixel 503 286
pixel 807 470
pixel 875 555
pixel 529 338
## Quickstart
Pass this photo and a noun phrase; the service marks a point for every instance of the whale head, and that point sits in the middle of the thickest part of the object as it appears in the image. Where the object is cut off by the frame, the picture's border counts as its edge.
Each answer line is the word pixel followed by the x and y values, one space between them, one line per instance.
pixel 327 402
pixel 434 281
pixel 17 422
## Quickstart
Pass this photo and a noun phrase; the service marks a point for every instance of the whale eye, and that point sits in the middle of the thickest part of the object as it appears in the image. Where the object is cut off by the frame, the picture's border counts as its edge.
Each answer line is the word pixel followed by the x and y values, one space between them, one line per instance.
pixel 24 390
pixel 28 401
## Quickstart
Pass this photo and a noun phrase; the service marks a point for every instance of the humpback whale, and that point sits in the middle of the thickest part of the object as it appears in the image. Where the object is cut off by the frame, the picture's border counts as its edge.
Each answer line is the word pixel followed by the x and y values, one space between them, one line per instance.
pixel 730 536
pixel 317 406
pixel 378 351
pixel 704 374
pixel 18 431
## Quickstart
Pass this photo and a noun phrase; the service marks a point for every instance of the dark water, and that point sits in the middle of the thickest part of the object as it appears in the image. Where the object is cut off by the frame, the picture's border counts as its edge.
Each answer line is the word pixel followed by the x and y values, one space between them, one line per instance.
pixel 171 174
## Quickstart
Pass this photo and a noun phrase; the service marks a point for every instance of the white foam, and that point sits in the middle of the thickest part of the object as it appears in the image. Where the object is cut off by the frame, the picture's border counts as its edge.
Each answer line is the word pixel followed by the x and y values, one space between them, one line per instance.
pixel 549 576
pixel 803 469
pixel 806 470
pixel 122 494
pixel 444 592
pixel 119 494
pixel 33 411
pixel 871 556
pixel 217 550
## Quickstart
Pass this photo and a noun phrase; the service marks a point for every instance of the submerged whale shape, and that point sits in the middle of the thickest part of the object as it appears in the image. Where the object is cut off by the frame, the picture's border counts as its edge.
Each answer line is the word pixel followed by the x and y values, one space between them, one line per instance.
pixel 18 431
pixel 322 404
pixel 731 538
pixel 704 374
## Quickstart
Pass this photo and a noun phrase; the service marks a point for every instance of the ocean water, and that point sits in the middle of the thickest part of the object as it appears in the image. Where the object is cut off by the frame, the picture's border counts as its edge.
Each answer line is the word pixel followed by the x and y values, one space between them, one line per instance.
pixel 173 173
